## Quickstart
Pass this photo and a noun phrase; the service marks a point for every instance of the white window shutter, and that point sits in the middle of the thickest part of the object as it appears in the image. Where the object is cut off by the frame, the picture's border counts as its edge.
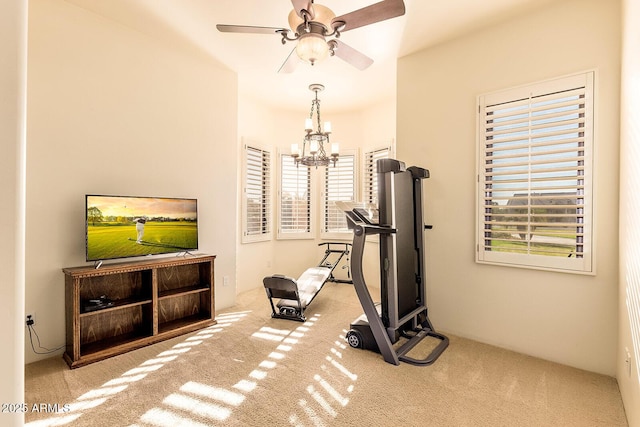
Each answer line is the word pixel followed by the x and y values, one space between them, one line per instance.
pixel 534 175
pixel 294 200
pixel 339 185
pixel 370 178
pixel 257 195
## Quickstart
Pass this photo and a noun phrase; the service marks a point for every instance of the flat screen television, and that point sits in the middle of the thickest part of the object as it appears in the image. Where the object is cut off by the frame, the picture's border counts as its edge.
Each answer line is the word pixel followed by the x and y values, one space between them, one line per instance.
pixel 128 226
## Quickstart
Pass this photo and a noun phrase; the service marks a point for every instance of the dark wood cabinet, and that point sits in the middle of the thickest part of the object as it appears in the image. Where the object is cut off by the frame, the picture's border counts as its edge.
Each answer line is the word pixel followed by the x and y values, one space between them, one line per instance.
pixel 148 301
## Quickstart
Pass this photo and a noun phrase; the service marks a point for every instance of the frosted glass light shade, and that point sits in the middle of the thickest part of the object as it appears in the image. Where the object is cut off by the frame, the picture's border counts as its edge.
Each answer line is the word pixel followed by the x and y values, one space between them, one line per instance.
pixel 312 47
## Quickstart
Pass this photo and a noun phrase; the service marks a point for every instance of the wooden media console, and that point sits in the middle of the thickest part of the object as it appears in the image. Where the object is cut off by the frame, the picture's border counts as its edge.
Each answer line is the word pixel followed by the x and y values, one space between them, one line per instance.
pixel 145 302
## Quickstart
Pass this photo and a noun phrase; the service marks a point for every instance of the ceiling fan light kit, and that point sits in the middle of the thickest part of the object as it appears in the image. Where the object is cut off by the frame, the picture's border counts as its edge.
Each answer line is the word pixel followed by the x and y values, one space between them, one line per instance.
pixel 312 48
pixel 313 24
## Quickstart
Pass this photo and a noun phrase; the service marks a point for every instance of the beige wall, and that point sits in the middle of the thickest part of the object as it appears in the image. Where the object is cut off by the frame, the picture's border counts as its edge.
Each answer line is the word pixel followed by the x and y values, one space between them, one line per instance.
pixel 256 126
pixel 629 294
pixel 571 319
pixel 113 111
pixel 13 48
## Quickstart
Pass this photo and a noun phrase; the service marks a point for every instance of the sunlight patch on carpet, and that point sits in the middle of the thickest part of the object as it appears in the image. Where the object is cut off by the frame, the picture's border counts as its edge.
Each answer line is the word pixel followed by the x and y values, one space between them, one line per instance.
pixel 331 390
pixel 113 387
pixel 245 385
pixel 206 401
pixel 54 422
pixel 104 391
pixel 161 418
pixel 325 392
pixel 215 393
pixel 197 407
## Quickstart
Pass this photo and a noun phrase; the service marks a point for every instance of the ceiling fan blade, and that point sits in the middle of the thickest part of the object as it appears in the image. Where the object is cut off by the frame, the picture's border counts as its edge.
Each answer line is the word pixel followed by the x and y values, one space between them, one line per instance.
pixel 377 12
pixel 350 55
pixel 300 5
pixel 249 29
pixel 290 63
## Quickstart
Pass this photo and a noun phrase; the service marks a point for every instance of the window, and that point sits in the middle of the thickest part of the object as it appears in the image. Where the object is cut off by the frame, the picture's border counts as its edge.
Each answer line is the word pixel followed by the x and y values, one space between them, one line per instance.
pixel 294 200
pixel 370 178
pixel 339 185
pixel 535 175
pixel 256 203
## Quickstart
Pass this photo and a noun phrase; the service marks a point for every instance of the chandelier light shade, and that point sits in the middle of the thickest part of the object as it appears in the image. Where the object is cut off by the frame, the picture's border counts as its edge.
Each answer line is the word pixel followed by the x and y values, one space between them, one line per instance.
pixel 317 150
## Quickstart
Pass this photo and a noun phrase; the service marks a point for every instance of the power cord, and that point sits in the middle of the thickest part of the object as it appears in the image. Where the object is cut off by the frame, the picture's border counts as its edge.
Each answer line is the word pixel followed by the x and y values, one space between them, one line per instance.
pixel 32 331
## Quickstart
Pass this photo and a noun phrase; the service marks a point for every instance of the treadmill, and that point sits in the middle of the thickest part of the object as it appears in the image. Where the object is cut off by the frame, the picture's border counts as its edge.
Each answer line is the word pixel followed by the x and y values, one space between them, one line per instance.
pixel 401 314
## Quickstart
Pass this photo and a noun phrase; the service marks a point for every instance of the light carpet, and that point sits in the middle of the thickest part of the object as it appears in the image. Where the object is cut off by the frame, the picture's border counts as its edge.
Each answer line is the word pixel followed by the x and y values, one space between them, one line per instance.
pixel 252 370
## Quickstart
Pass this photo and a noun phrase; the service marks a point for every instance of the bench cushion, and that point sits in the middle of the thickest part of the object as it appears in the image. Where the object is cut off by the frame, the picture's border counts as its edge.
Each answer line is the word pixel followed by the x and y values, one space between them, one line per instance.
pixel 309 284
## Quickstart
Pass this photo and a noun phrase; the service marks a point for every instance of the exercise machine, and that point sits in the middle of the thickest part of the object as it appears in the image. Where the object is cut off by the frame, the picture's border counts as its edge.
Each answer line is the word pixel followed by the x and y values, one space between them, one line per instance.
pixel 296 295
pixel 399 322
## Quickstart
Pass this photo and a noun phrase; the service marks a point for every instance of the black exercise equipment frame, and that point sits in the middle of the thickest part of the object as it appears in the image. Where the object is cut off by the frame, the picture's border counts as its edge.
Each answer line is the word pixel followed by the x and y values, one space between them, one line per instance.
pixel 332 265
pixel 286 289
pixel 403 309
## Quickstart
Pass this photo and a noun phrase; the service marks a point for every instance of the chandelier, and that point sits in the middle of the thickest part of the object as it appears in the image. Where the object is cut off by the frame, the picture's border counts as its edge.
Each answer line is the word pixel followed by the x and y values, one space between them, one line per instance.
pixel 316 142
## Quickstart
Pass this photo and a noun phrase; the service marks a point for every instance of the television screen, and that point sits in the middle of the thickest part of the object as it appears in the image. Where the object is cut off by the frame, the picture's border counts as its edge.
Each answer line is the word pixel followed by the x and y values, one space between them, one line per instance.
pixel 126 226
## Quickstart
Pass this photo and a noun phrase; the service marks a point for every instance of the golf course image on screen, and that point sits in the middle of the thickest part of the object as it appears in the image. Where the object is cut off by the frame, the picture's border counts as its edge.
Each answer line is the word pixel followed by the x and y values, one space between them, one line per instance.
pixel 125 226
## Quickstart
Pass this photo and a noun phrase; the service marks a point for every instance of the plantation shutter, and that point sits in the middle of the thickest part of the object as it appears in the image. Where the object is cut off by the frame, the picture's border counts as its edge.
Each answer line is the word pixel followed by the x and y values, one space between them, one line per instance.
pixel 257 195
pixel 535 175
pixel 339 185
pixel 295 199
pixel 370 183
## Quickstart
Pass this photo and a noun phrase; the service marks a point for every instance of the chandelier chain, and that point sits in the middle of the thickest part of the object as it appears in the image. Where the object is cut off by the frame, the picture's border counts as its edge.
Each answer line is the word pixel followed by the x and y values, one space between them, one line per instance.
pixel 318 109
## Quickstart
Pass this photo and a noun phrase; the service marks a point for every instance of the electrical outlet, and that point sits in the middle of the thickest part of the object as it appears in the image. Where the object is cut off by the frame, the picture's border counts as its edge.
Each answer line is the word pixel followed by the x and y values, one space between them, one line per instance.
pixel 30 319
pixel 627 361
pixel 225 281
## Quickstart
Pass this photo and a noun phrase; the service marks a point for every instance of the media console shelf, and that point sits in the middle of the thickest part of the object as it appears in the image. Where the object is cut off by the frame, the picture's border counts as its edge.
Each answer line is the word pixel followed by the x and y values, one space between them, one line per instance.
pixel 148 301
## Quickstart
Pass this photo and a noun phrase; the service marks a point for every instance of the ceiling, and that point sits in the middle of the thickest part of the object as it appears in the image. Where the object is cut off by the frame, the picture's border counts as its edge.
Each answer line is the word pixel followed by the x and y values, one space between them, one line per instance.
pixel 257 57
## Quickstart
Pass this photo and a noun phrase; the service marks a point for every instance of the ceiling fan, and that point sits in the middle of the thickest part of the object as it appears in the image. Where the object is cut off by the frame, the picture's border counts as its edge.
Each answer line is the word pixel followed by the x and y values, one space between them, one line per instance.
pixel 317 29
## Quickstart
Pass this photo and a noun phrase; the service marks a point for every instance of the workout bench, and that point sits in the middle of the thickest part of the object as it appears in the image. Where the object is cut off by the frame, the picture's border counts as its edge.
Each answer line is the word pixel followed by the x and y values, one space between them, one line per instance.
pixel 296 295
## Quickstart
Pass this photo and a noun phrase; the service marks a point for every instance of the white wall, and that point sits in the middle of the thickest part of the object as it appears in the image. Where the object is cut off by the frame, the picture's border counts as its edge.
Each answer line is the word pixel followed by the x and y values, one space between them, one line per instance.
pixel 571 319
pixel 13 48
pixel 629 294
pixel 113 111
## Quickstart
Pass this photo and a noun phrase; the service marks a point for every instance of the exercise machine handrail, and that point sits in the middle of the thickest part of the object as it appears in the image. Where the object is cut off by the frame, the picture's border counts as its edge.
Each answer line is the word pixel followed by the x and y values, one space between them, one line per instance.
pixel 360 232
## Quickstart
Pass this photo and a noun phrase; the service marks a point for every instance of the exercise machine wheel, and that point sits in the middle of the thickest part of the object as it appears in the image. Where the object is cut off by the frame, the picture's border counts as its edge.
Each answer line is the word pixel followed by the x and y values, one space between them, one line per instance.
pixel 354 338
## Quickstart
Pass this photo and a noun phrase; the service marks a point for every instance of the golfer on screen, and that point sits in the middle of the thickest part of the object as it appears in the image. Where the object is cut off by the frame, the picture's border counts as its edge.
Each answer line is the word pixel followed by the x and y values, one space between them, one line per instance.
pixel 140 228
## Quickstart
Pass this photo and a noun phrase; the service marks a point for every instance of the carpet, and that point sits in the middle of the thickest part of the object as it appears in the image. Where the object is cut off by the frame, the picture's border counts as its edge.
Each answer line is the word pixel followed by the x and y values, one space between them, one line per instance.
pixel 252 370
